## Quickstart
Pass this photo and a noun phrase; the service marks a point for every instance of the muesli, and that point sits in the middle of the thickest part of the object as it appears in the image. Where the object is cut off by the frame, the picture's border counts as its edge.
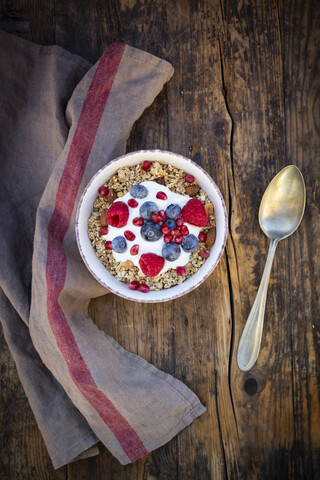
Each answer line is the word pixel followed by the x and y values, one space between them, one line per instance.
pixel 152 226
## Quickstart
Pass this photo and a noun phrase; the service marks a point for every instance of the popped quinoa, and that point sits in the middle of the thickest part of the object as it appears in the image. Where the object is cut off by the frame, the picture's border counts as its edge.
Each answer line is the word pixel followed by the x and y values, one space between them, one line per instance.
pixel 116 188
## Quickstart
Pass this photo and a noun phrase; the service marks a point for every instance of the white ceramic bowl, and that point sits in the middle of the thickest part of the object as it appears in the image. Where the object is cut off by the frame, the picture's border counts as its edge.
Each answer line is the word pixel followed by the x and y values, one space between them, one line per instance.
pixel 85 209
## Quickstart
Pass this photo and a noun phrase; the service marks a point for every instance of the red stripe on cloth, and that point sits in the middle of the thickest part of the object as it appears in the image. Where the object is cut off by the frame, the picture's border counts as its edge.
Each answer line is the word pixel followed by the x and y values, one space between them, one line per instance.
pixel 56 268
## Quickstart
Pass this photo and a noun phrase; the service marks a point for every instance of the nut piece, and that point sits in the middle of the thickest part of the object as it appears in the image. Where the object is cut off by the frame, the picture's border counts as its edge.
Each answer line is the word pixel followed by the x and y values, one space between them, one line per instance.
pixel 209 208
pixel 187 268
pixel 160 181
pixel 211 236
pixel 120 194
pixel 192 190
pixel 103 219
pixel 127 264
pixel 112 196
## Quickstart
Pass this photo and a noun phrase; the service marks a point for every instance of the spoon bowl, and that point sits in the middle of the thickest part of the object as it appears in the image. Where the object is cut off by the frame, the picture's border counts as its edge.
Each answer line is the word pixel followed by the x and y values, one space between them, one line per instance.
pixel 282 205
pixel 281 211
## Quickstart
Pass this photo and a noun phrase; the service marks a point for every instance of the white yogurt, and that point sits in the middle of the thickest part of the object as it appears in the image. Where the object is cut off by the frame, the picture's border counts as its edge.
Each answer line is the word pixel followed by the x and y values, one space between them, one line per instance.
pixel 144 245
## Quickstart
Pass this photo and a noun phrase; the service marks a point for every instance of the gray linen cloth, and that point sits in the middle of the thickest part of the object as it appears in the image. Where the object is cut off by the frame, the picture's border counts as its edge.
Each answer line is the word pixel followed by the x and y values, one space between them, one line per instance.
pixel 62 119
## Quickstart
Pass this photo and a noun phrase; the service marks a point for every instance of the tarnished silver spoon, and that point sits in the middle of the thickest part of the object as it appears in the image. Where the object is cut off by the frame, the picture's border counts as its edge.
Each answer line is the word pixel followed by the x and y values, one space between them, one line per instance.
pixel 281 211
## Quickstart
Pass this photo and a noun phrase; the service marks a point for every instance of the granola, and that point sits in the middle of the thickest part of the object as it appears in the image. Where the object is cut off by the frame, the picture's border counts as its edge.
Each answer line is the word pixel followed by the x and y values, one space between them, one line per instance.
pixel 115 189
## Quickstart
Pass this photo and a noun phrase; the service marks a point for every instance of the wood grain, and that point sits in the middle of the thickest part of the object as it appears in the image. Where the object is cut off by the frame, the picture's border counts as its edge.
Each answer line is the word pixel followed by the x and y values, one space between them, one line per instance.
pixel 243 103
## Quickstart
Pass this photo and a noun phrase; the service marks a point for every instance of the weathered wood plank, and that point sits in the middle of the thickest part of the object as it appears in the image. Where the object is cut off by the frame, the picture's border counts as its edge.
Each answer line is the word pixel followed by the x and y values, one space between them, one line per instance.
pixel 271 58
pixel 37 13
pixel 257 63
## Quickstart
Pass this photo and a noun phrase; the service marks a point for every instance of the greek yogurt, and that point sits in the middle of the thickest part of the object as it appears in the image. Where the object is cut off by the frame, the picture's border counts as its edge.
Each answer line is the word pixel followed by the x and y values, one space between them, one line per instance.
pixel 146 246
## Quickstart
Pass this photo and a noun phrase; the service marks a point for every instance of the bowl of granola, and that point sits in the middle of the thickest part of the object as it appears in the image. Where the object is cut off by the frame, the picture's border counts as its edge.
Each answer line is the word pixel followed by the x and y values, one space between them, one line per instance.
pixel 151 226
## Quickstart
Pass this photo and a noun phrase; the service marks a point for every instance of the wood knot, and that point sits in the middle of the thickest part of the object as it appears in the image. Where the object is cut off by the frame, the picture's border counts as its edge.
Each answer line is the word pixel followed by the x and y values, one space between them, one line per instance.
pixel 250 386
pixel 220 128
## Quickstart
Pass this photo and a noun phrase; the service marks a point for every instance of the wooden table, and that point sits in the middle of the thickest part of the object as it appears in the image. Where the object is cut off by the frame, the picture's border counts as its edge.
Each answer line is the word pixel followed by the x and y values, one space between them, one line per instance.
pixel 244 102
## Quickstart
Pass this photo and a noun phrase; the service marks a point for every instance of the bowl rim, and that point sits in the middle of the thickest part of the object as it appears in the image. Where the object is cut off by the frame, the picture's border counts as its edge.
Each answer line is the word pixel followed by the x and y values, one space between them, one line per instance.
pixel 194 285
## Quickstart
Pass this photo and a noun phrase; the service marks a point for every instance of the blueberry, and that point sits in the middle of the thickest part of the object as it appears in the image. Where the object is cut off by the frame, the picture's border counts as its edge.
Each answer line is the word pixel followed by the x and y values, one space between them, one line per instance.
pixel 173 211
pixel 171 223
pixel 151 231
pixel 190 243
pixel 119 244
pixel 171 251
pixel 138 191
pixel 147 209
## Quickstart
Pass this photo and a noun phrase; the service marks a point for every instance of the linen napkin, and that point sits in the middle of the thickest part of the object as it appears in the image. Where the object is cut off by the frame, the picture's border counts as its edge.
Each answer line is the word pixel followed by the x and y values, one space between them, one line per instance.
pixel 60 121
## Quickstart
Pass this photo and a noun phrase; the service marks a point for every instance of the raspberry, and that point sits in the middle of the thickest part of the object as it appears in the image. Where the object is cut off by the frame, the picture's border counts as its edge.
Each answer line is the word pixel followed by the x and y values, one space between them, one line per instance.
pixel 134 250
pixel 179 222
pixel 194 212
pixel 146 165
pixel 156 218
pixel 178 239
pixel 184 230
pixel 162 196
pixel 129 235
pixel 132 203
pixel 167 238
pixel 181 271
pixel 143 288
pixel 134 285
pixel 108 245
pixel 202 237
pixel 138 221
pixel 189 178
pixel 203 253
pixel 103 231
pixel 151 264
pixel 103 191
pixel 118 214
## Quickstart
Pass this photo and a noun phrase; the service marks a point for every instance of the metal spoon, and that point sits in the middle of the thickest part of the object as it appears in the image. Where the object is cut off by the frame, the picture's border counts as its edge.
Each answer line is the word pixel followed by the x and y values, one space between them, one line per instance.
pixel 281 211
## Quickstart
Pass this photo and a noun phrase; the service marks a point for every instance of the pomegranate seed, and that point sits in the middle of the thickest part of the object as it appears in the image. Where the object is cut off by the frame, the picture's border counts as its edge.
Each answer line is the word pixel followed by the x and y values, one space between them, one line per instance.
pixel 129 235
pixel 203 253
pixel 181 271
pixel 134 250
pixel 175 232
pixel 146 165
pixel 156 218
pixel 138 221
pixel 178 239
pixel 167 238
pixel 143 288
pixel 165 229
pixel 103 231
pixel 132 203
pixel 163 215
pixel 179 222
pixel 202 237
pixel 134 285
pixel 103 191
pixel 189 178
pixel 162 196
pixel 108 245
pixel 184 230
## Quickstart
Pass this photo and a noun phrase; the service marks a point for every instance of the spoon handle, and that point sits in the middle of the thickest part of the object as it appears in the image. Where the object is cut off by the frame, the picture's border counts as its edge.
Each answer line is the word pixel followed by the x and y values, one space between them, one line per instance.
pixel 250 341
